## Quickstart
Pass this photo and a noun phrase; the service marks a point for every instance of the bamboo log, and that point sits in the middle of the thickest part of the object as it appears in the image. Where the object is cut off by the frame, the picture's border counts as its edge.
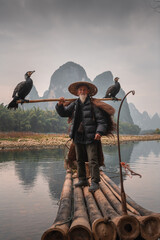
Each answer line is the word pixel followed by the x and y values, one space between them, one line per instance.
pixel 67 100
pixel 129 207
pixel 60 227
pixel 128 227
pixel 140 209
pixel 104 205
pixel 111 198
pixel 150 227
pixel 101 228
pixel 80 228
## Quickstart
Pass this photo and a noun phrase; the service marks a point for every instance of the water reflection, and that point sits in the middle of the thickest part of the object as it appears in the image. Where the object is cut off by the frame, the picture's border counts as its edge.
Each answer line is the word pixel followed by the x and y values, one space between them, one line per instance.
pixel 49 163
pixel 145 159
pixel 27 171
pixel 112 159
pixel 54 174
pixel 143 149
pixel 31 184
pixel 29 164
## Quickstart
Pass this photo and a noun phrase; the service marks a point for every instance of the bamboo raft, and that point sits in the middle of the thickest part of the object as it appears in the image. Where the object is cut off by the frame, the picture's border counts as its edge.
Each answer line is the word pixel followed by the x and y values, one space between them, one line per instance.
pixel 101 215
pixel 86 216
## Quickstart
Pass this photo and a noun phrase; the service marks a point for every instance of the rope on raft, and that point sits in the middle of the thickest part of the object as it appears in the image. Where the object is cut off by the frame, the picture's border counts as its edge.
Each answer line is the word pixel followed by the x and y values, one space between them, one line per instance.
pixel 127 170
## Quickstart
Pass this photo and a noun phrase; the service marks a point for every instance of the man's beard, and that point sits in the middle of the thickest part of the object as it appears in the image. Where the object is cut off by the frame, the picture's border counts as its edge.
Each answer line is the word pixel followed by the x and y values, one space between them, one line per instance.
pixel 83 97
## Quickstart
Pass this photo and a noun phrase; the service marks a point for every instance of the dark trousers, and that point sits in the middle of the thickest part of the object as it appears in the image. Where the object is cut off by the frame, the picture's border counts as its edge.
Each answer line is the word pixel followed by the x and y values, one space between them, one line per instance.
pixel 91 151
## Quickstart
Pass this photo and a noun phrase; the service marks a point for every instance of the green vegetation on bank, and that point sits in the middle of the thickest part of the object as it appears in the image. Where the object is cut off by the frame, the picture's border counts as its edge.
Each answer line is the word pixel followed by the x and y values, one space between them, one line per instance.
pixel 33 120
pixel 43 121
pixel 157 131
pixel 127 128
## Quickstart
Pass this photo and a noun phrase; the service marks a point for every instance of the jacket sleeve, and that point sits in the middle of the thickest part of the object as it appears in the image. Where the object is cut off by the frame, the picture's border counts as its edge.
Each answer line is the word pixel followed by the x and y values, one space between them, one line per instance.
pixel 101 121
pixel 65 111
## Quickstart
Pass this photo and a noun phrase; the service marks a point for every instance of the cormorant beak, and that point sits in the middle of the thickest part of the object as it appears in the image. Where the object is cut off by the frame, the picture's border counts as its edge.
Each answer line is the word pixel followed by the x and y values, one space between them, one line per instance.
pixel 116 79
pixel 32 72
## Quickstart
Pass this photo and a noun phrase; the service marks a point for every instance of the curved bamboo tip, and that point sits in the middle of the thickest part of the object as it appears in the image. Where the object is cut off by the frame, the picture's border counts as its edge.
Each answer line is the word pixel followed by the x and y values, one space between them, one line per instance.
pixel 128 227
pixel 150 227
pixel 79 232
pixel 54 234
pixel 104 229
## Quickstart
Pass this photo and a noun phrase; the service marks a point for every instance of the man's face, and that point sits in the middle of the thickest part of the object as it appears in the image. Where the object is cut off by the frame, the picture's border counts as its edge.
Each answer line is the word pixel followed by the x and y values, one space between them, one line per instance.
pixel 82 90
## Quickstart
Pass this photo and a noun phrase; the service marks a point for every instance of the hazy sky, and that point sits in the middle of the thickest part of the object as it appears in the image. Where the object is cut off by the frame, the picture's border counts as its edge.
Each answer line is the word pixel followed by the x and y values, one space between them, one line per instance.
pixel 122 36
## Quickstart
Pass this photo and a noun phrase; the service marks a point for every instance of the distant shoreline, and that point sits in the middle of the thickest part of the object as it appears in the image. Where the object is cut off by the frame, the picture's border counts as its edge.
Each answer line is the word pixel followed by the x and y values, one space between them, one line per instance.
pixel 28 141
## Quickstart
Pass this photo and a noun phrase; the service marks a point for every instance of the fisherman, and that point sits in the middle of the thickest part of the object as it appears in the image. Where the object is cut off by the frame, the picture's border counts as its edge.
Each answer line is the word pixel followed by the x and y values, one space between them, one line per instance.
pixel 89 124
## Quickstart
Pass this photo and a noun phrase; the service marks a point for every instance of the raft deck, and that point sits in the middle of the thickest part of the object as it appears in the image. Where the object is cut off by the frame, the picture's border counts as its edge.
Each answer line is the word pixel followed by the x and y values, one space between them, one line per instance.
pixel 86 216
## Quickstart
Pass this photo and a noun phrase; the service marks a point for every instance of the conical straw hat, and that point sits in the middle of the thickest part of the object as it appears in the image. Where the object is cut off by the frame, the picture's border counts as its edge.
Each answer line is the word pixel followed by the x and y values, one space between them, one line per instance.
pixel 74 87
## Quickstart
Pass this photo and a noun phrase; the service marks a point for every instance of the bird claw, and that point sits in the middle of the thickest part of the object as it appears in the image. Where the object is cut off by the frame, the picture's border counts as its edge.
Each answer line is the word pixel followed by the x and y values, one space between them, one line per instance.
pixel 24 101
pixel 114 99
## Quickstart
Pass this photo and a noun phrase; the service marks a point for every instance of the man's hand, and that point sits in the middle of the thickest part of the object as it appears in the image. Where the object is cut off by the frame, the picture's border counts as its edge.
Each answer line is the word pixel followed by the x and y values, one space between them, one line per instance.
pixel 97 136
pixel 61 100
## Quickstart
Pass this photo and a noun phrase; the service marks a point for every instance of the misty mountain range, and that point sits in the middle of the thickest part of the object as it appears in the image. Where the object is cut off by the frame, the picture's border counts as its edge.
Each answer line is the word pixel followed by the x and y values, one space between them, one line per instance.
pixel 143 120
pixel 71 72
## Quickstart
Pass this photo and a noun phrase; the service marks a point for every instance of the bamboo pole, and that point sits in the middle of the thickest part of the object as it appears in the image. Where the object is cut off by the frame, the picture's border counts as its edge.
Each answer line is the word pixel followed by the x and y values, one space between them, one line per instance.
pixel 150 227
pixel 129 207
pixel 123 195
pixel 115 203
pixel 80 228
pixel 101 227
pixel 149 224
pixel 140 209
pixel 104 205
pixel 128 227
pixel 66 100
pixel 60 227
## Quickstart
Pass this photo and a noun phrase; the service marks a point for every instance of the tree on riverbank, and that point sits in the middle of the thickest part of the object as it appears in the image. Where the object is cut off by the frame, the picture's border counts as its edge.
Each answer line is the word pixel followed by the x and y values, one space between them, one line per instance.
pixel 33 120
pixel 127 128
pixel 157 131
pixel 43 121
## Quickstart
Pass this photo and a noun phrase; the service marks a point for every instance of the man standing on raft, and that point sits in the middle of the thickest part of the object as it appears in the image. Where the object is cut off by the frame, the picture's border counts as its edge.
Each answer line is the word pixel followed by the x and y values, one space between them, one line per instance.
pixel 89 123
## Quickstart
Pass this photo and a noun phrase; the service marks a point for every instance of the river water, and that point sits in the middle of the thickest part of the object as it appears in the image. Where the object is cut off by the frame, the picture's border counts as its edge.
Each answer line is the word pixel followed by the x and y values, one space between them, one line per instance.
pixel 31 184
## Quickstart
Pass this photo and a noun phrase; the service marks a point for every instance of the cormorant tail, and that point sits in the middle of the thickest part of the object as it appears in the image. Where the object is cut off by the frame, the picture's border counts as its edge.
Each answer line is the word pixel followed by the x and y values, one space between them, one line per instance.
pixel 13 104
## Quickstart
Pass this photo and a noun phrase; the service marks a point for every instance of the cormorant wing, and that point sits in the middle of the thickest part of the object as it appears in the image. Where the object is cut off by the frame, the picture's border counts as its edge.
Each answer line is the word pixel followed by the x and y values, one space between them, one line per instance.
pixel 110 89
pixel 116 89
pixel 18 88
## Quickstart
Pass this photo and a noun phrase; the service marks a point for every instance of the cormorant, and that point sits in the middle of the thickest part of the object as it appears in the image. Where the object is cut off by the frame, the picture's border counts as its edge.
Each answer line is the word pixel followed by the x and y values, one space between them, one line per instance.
pixel 21 90
pixel 113 90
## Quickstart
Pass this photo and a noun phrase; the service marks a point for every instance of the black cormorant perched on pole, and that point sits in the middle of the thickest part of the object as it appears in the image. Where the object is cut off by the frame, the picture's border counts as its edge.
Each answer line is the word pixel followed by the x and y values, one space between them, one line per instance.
pixel 113 90
pixel 21 90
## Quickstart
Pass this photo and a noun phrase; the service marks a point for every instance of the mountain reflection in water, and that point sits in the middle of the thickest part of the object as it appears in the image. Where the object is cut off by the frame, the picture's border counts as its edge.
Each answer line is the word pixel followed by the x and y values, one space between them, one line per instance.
pixel 31 184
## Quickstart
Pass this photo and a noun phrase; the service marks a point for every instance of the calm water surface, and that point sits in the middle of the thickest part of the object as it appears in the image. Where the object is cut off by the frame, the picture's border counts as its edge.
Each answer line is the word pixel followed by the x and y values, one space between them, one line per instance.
pixel 31 184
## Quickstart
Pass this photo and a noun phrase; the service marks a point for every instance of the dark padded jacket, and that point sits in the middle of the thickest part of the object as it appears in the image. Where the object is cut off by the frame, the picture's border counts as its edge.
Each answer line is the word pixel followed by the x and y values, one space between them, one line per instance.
pixel 92 118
